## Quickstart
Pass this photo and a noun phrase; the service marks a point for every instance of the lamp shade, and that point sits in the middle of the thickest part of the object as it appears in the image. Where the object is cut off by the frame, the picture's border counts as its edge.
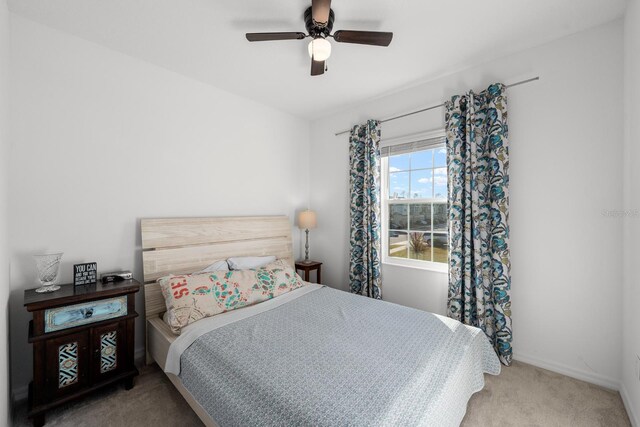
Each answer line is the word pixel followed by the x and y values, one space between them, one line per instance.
pixel 307 220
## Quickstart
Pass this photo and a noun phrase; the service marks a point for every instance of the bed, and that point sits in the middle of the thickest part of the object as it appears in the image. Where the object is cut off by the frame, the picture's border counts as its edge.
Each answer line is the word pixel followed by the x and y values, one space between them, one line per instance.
pixel 314 356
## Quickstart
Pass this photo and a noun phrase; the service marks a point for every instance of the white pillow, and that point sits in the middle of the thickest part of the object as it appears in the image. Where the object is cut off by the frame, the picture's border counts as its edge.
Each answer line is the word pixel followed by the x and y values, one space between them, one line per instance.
pixel 249 262
pixel 219 265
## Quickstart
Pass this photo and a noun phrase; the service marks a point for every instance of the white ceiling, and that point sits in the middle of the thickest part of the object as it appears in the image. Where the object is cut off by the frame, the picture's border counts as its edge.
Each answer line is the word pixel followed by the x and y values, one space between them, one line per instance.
pixel 204 39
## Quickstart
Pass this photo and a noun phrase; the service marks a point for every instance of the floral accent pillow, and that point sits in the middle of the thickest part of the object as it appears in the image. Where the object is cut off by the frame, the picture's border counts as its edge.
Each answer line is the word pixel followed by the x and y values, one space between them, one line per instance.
pixel 192 297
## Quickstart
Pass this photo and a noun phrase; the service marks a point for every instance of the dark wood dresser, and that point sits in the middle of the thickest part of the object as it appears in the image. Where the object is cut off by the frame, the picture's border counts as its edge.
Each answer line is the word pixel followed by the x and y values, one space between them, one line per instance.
pixel 83 339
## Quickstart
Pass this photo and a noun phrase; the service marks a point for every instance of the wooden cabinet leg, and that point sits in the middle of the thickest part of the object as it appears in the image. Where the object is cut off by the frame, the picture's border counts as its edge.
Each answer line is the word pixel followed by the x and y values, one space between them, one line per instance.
pixel 319 277
pixel 128 383
pixel 38 420
pixel 306 275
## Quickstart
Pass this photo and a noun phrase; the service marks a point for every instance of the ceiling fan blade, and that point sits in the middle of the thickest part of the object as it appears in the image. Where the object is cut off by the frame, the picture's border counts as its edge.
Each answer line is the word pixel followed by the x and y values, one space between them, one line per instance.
pixel 375 38
pixel 262 37
pixel 317 67
pixel 320 11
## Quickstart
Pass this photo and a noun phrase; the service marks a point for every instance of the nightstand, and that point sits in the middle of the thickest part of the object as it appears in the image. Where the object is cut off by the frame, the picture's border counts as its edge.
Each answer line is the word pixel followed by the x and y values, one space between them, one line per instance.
pixel 83 339
pixel 309 266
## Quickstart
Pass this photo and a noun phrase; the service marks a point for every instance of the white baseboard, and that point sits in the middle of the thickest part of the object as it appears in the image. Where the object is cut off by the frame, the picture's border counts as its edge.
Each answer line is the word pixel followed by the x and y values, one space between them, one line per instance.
pixel 590 377
pixel 633 417
pixel 20 394
pixel 139 356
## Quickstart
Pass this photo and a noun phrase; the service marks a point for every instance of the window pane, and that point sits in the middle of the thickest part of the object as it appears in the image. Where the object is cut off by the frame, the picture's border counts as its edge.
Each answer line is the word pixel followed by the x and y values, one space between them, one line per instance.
pixel 399 185
pixel 418 230
pixel 420 218
pixel 440 157
pixel 440 183
pixel 397 216
pixel 420 246
pixel 399 163
pixel 422 184
pixel 422 159
pixel 440 216
pixel 440 247
pixel 398 244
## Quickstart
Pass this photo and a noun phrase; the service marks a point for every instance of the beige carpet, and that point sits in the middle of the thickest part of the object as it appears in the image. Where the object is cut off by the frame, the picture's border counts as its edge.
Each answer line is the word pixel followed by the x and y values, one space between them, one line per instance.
pixel 521 395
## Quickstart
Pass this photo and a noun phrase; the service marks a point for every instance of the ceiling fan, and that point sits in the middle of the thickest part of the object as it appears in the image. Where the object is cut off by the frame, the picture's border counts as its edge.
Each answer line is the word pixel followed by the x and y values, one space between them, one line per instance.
pixel 318 20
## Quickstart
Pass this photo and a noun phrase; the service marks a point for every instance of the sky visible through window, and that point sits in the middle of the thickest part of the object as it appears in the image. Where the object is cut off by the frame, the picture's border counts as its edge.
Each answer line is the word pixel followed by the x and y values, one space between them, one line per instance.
pixel 417 205
pixel 418 175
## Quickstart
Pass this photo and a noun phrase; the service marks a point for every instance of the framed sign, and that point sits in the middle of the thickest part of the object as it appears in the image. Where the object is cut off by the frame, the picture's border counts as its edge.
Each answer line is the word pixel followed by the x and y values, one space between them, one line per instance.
pixel 85 274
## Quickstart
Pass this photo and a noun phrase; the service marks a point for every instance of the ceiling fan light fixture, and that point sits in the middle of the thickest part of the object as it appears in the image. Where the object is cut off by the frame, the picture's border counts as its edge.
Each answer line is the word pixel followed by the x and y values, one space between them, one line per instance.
pixel 318 21
pixel 319 49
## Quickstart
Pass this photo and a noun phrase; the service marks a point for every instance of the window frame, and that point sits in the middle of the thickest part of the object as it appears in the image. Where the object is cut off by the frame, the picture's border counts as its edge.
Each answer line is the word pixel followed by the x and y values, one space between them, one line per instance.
pixel 386 202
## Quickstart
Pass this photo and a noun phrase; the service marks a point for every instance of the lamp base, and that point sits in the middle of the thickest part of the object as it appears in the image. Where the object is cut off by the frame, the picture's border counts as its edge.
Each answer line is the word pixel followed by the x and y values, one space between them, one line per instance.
pixel 306 247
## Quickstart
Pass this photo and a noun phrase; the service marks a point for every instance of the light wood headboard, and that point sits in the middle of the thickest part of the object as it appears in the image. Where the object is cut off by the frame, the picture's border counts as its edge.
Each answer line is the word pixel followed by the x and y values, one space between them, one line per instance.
pixel 185 245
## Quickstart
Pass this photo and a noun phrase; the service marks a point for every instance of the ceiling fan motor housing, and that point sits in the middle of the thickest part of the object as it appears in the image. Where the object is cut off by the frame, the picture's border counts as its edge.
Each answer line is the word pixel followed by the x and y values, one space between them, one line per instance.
pixel 316 30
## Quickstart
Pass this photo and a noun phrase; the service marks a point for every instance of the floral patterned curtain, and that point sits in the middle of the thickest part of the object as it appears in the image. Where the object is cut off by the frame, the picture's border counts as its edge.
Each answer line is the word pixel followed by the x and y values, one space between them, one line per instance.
pixel 364 179
pixel 478 168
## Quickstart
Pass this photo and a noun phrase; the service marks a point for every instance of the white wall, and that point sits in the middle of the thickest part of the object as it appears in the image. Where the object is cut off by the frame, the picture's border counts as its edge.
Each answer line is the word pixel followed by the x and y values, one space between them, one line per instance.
pixel 5 415
pixel 92 126
pixel 566 148
pixel 631 294
pixel 181 147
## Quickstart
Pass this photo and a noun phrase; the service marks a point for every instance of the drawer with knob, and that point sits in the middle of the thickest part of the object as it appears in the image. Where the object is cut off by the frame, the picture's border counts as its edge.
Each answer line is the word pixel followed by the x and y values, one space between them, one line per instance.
pixel 59 318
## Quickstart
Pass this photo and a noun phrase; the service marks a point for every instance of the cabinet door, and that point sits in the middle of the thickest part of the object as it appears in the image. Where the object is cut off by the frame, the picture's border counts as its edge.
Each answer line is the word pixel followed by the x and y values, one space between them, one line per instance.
pixel 67 360
pixel 108 350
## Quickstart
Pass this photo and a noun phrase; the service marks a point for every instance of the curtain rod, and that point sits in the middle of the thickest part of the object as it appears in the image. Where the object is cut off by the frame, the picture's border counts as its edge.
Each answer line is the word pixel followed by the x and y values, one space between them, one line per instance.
pixel 533 79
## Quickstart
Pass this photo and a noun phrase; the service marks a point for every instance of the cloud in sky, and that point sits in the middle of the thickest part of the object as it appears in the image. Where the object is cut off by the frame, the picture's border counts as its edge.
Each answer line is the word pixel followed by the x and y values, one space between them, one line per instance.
pixel 440 176
pixel 425 180
pixel 393 169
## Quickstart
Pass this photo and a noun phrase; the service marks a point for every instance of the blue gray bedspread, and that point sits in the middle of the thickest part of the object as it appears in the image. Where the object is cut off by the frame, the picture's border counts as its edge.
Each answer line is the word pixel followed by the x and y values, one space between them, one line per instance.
pixel 329 358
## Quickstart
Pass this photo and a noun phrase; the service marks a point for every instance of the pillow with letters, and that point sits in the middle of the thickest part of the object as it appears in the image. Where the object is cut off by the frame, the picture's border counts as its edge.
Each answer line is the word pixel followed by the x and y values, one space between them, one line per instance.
pixel 190 298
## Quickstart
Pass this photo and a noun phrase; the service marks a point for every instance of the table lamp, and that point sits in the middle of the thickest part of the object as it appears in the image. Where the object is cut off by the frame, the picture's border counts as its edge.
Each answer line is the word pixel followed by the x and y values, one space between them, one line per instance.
pixel 307 221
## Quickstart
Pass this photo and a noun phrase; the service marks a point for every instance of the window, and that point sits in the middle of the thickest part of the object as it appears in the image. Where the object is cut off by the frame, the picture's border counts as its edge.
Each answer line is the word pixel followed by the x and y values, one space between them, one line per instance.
pixel 414 205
